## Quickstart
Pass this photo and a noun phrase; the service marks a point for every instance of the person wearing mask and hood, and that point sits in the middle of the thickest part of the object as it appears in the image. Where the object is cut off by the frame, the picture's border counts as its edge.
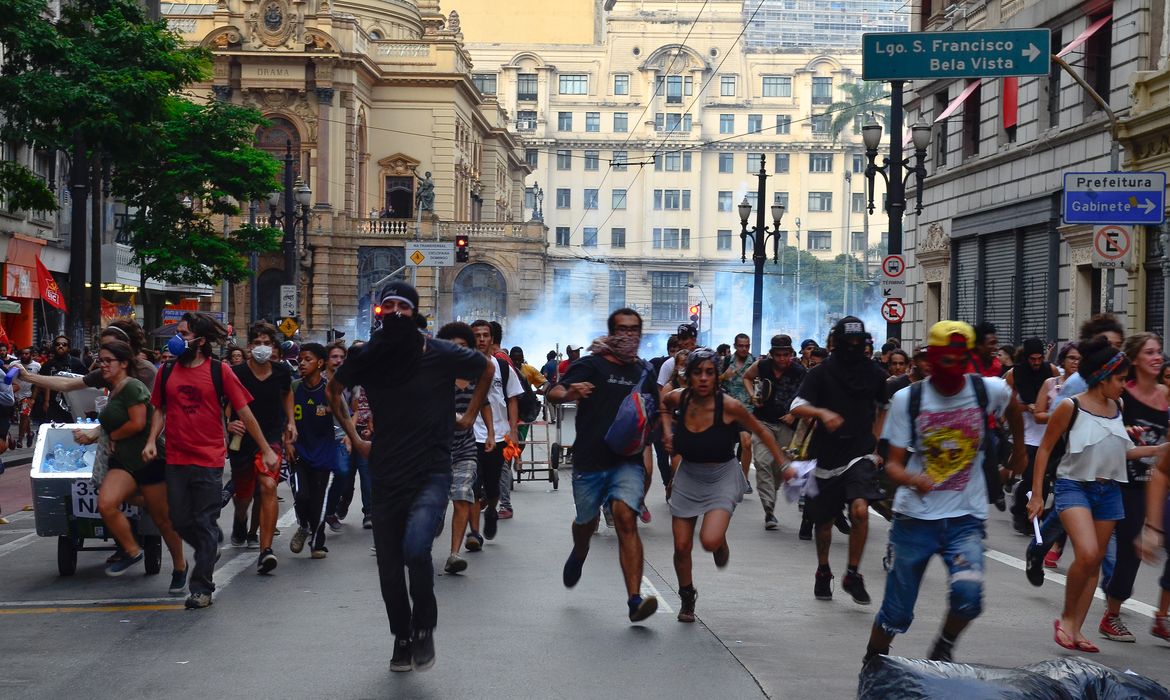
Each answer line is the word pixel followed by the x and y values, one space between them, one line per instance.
pixel 844 395
pixel 408 380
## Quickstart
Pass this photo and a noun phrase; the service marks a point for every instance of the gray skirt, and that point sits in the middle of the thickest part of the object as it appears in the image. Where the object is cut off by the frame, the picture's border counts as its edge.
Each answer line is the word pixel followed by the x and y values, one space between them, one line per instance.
pixel 701 487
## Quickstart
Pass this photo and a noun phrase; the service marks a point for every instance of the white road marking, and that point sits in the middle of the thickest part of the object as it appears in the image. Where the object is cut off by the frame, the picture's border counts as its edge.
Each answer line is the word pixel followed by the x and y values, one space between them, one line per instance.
pixel 649 589
pixel 18 544
pixel 223 576
pixel 1132 605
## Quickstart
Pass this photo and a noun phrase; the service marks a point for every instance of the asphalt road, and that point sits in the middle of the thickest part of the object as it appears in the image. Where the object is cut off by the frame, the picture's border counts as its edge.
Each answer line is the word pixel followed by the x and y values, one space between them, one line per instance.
pixel 508 627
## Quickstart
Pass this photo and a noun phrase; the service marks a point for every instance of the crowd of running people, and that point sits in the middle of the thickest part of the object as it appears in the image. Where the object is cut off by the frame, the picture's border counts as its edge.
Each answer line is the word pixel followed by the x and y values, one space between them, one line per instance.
pixel 422 417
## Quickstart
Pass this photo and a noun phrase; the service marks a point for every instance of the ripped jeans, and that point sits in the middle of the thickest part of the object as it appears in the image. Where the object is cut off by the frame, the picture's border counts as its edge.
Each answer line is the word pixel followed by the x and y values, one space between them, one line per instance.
pixel 959 541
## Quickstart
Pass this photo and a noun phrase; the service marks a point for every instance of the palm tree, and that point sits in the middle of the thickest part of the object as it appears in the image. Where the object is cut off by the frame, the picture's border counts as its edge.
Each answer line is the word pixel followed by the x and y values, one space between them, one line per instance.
pixel 868 97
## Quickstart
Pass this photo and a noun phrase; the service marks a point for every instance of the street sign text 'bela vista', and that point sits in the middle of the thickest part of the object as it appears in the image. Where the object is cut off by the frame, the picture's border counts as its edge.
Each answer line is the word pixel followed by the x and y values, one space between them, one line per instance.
pixel 999 53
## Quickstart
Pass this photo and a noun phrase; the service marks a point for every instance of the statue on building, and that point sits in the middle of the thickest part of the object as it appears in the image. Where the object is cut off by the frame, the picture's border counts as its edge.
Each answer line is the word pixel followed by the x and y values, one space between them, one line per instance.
pixel 424 198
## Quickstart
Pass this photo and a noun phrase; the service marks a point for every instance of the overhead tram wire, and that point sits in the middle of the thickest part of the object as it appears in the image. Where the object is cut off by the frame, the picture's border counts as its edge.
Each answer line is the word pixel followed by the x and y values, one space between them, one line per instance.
pixel 698 94
pixel 659 85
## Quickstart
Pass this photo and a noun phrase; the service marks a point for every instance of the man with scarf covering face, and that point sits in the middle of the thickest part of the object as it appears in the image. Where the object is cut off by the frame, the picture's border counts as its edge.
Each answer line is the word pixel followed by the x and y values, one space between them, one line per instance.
pixel 407 378
pixel 599 383
pixel 843 394
pixel 1025 378
pixel 941 504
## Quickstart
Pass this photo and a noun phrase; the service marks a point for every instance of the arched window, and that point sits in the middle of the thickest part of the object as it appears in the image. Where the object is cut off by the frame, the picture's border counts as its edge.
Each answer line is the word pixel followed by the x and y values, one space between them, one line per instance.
pixel 268 295
pixel 275 139
pixel 480 292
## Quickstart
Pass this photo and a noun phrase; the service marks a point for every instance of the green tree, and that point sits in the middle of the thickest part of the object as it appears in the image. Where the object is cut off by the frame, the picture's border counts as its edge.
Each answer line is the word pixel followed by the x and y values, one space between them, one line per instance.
pixel 102 81
pixel 868 97
pixel 198 152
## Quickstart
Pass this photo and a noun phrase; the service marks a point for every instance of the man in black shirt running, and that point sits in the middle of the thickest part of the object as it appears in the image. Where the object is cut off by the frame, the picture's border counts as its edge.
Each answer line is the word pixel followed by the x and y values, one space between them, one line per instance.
pixel 408 379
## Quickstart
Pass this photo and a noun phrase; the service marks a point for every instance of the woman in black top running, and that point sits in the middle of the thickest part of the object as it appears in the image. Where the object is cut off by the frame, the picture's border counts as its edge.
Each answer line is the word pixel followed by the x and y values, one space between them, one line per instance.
pixel 708 480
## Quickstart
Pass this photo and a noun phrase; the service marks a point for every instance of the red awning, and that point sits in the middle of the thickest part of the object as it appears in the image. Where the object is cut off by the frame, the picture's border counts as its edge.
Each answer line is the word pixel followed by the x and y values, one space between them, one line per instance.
pixel 1009 101
pixel 1084 36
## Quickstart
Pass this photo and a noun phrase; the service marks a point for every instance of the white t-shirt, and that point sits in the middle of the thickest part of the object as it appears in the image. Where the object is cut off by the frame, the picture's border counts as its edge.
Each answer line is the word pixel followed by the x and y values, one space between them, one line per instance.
pixel 950 432
pixel 666 371
pixel 26 388
pixel 498 400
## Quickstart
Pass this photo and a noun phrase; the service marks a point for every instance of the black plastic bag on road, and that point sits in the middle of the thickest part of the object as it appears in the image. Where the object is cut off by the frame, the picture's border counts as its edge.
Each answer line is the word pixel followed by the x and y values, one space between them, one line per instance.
pixel 1093 681
pixel 895 678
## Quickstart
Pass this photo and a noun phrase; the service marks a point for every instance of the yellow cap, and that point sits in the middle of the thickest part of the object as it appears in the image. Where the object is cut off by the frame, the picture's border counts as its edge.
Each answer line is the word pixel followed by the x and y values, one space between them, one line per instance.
pixel 941 334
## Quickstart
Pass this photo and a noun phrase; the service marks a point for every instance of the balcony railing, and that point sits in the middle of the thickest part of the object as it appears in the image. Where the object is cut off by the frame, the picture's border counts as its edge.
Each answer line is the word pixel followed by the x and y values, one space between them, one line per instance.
pixel 405 229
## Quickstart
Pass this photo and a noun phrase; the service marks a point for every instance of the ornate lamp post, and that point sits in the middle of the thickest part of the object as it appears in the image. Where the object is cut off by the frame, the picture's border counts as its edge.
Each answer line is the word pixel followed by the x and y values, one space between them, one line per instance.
pixel 891 172
pixel 759 235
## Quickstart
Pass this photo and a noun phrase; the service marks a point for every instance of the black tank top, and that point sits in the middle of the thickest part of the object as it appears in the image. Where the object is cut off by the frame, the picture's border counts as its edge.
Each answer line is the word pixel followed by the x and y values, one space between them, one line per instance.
pixel 715 444
pixel 1134 413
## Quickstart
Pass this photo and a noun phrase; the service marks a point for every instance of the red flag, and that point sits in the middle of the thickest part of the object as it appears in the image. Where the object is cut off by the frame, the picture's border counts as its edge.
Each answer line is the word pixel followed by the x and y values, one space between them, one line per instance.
pixel 50 292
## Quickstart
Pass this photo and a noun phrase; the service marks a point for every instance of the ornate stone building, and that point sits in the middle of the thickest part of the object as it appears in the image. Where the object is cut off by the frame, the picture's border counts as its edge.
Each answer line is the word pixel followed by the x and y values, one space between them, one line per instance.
pixel 990 244
pixel 370 95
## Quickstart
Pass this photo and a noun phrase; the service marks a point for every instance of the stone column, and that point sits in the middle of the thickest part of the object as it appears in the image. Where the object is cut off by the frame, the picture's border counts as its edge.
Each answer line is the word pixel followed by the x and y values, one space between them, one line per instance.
pixel 324 129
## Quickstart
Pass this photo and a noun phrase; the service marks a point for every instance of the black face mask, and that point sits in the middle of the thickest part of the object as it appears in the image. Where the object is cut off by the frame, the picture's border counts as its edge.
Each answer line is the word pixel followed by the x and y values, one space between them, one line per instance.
pixel 851 353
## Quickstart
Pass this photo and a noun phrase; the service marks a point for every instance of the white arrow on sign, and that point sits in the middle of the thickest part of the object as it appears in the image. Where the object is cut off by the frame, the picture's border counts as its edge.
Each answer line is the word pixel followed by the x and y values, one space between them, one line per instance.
pixel 1149 205
pixel 1031 52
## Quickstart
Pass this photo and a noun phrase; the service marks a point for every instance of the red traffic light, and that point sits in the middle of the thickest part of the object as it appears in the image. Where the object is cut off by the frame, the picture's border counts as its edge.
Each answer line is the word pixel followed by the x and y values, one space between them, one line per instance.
pixel 378 310
pixel 695 309
pixel 461 241
pixel 461 248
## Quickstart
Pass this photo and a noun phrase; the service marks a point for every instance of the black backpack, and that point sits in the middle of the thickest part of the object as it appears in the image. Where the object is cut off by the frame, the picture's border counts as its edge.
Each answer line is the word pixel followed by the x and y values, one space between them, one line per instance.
pixel 990 461
pixel 527 405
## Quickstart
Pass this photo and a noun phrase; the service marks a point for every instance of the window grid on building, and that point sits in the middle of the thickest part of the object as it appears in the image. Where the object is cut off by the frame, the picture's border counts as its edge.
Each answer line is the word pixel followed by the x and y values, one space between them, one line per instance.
pixel 617 238
pixel 820 201
pixel 618 199
pixel 562 236
pixel 777 86
pixel 621 84
pixel 617 289
pixel 526 87
pixel 820 240
pixel 727 86
pixel 564 159
pixel 589 237
pixel 620 159
pixel 723 240
pixel 564 198
pixel 592 160
pixel 726 162
pixel 574 84
pixel 485 82
pixel 621 122
pixel 820 162
pixel 668 295
pixel 591 200
pixel 593 121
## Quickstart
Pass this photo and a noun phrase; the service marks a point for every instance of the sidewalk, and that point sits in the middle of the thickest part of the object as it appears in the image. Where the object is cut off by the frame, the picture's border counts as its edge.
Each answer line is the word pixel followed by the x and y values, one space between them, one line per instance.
pixel 15 493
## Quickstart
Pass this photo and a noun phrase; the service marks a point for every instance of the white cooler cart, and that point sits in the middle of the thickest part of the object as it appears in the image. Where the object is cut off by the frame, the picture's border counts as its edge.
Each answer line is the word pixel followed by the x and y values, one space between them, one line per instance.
pixel 65 506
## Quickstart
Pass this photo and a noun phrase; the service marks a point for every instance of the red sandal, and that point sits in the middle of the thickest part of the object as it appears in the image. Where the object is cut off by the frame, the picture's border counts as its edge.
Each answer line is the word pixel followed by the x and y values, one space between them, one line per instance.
pixel 1087 647
pixel 1057 631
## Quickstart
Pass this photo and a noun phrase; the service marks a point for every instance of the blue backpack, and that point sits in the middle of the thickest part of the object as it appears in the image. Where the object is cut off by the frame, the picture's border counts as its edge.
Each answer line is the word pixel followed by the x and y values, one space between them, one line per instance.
pixel 630 431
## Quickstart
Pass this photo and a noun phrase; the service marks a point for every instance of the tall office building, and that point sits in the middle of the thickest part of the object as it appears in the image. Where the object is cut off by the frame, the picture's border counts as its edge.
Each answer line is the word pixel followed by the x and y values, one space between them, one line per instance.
pixel 787 25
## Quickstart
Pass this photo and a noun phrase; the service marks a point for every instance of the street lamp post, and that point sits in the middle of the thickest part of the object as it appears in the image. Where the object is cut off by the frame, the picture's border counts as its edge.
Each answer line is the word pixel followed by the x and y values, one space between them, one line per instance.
pixel 296 197
pixel 253 266
pixel 759 235
pixel 891 172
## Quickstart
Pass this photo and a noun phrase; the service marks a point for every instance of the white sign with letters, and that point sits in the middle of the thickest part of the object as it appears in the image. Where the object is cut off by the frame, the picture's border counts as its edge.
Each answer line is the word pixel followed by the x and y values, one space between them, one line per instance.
pixel 84 501
pixel 288 300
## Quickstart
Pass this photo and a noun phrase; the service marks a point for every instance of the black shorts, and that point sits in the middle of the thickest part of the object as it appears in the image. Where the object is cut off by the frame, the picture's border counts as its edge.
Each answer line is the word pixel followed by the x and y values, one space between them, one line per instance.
pixel 154 472
pixel 858 482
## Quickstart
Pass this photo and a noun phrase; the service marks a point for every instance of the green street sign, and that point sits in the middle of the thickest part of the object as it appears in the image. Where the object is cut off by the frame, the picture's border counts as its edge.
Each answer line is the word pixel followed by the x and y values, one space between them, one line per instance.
pixel 938 55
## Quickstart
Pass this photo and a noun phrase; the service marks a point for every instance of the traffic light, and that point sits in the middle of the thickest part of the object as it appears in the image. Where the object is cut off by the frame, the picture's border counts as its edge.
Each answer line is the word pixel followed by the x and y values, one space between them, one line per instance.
pixel 461 248
pixel 696 315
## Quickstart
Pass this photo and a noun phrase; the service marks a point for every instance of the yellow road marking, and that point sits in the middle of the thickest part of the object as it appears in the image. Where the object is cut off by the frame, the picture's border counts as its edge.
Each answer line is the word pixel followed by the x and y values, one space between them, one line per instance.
pixel 89 609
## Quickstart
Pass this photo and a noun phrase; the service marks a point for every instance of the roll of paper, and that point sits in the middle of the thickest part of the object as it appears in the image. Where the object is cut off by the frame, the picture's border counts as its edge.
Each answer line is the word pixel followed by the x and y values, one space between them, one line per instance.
pixel 1036 525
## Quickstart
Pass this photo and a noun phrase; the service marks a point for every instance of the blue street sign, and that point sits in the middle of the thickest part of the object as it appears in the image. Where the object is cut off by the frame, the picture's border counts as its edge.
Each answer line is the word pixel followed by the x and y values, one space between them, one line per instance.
pixel 1115 198
pixel 936 55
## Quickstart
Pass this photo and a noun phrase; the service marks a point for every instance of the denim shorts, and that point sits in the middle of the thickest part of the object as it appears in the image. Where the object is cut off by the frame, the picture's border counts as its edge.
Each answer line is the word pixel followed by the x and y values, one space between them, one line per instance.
pixel 591 490
pixel 1102 498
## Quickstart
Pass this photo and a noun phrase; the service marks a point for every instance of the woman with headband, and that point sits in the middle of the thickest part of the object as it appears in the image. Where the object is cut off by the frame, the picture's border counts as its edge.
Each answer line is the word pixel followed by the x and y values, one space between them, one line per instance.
pixel 708 480
pixel 1088 498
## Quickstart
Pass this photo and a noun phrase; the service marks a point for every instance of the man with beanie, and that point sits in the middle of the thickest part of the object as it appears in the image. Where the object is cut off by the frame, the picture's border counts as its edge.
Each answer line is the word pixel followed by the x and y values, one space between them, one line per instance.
pixel 936 431
pixel 599 383
pixel 780 376
pixel 407 378
pixel 843 394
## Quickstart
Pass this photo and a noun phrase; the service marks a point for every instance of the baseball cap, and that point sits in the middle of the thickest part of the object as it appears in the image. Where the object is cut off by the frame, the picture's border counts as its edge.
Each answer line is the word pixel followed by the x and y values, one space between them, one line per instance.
pixel 942 335
pixel 572 348
pixel 687 330
pixel 781 342
pixel 850 327
pixel 808 343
